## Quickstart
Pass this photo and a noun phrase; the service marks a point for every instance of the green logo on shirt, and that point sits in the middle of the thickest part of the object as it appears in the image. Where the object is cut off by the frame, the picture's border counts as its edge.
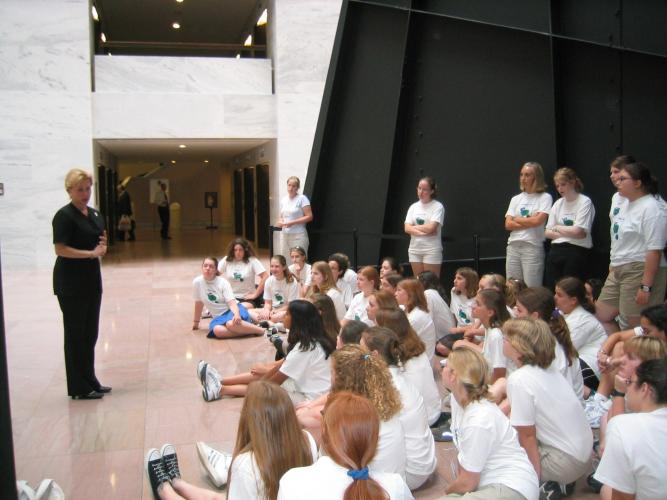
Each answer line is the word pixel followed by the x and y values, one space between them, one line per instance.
pixel 212 297
pixel 420 221
pixel 238 277
pixel 568 222
pixel 524 212
pixel 280 299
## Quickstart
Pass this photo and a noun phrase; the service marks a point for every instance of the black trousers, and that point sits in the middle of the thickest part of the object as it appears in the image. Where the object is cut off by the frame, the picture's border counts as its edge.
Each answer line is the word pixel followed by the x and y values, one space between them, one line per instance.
pixel 563 260
pixel 163 212
pixel 81 319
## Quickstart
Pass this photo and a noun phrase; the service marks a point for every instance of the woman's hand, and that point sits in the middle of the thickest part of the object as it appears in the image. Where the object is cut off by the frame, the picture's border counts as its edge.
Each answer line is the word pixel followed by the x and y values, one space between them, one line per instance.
pixel 237 319
pixel 280 222
pixel 641 297
pixel 259 369
pixel 621 383
pixel 195 325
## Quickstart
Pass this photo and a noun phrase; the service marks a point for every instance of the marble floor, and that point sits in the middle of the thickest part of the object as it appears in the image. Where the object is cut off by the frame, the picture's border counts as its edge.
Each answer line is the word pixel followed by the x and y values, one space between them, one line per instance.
pixel 148 353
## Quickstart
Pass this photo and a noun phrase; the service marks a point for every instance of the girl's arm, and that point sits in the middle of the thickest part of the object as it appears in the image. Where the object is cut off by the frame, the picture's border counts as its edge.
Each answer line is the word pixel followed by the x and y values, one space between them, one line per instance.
pixel 304 219
pixel 559 231
pixel 276 376
pixel 429 228
pixel 650 268
pixel 465 482
pixel 199 306
pixel 528 440
pixel 605 360
pixel 539 219
pixel 260 288
pixel 413 230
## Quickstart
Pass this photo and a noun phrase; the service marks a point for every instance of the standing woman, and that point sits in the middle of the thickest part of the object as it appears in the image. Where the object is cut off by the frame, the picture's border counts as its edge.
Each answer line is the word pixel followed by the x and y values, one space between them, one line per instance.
pixel 525 219
pixel 295 213
pixel 80 240
pixel 241 268
pixel 637 268
pixel 423 223
pixel 569 229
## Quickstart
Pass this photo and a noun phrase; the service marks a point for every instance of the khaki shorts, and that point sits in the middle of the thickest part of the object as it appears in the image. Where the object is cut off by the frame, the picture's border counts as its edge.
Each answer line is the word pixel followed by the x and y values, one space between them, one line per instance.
pixel 490 492
pixel 433 257
pixel 620 288
pixel 559 466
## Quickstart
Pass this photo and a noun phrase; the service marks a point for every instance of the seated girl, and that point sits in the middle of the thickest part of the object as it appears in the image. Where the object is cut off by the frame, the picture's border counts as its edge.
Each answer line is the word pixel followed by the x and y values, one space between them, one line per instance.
pixel 242 269
pixel 350 438
pixel 367 281
pixel 410 294
pixel 380 299
pixel 327 310
pixel 390 265
pixel 546 413
pixel 490 458
pixel 419 444
pixel 230 319
pixel 389 281
pixel 300 269
pixel 466 283
pixel 441 314
pixel 305 372
pixel 322 281
pixel 280 288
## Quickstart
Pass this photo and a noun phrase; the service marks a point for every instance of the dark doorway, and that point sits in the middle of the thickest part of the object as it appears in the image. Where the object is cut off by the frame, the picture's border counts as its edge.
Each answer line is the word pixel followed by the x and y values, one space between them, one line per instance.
pixel 249 203
pixel 238 201
pixel 263 211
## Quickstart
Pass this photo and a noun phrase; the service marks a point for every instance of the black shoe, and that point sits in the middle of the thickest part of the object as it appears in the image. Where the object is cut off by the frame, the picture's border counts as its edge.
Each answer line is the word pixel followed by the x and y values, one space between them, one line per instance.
pixel 264 324
pixel 444 418
pixel 104 389
pixel 90 395
pixel 270 332
pixel 568 489
pixel 442 434
pixel 170 461
pixel 157 471
pixel 550 490
pixel 593 483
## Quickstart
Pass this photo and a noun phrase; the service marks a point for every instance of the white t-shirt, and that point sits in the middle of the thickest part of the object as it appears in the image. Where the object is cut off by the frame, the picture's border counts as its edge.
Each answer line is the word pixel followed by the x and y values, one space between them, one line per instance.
pixel 572 373
pixel 419 373
pixel 577 213
pixel 215 294
pixel 634 459
pixel 291 209
pixel 390 454
pixel 326 480
pixel 310 370
pixel 544 398
pixel 527 205
pixel 493 348
pixel 357 309
pixel 247 482
pixel 350 277
pixel 339 302
pixel 345 290
pixel 440 313
pixel 422 323
pixel 241 275
pixel 280 292
pixel 587 335
pixel 461 308
pixel 488 445
pixel 305 276
pixel 422 213
pixel 637 227
pixel 419 443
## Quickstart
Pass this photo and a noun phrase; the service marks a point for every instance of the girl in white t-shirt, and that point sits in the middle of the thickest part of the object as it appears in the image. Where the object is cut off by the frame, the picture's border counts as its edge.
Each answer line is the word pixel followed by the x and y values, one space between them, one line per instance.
pixel 368 281
pixel 380 299
pixel 441 314
pixel 417 366
pixel 300 269
pixel 525 219
pixel 230 319
pixel 243 269
pixel 546 413
pixel 419 442
pixel 569 229
pixel 586 331
pixel 346 278
pixel 389 265
pixel 322 281
pixel 490 309
pixel 327 310
pixel 466 284
pixel 390 281
pixel 295 213
pixel 490 458
pixel 279 290
pixel 351 437
pixel 305 371
pixel 410 294
pixel 423 223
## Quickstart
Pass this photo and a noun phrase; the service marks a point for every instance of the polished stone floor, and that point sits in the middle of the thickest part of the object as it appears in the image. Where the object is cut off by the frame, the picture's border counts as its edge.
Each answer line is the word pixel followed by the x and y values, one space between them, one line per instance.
pixel 148 353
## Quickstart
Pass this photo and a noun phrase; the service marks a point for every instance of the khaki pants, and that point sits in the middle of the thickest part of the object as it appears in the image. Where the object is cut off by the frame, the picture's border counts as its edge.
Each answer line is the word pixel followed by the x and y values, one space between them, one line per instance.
pixel 620 288
pixel 490 492
pixel 559 466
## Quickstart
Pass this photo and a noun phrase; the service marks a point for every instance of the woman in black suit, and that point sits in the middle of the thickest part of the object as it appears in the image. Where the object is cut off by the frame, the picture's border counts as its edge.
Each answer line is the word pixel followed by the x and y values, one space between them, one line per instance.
pixel 80 240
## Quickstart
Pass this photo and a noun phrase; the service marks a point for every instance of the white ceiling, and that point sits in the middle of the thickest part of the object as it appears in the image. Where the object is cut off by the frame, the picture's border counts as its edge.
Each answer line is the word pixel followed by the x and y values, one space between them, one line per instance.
pixel 165 150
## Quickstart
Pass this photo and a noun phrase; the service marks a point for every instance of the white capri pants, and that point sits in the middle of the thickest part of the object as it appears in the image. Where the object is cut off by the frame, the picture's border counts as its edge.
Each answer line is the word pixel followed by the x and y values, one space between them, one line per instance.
pixel 291 240
pixel 525 261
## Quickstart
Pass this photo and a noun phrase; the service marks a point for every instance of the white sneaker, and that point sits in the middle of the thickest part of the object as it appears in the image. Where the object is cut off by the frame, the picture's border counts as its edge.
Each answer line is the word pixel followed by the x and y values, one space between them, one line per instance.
pixel 212 384
pixel 216 463
pixel 595 408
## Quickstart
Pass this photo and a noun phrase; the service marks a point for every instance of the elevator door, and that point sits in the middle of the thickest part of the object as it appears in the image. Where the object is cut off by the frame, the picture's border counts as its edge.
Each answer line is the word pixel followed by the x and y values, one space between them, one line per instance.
pixel 238 202
pixel 249 203
pixel 263 211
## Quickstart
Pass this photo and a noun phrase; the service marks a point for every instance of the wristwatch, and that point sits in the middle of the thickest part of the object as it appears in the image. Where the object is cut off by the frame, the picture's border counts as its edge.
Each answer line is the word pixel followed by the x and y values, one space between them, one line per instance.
pixel 617 394
pixel 645 288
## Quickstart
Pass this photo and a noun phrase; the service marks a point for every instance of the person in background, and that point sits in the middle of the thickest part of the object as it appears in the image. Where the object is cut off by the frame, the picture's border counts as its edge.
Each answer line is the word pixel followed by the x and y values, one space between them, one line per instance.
pixel 295 213
pixel 124 207
pixel 162 202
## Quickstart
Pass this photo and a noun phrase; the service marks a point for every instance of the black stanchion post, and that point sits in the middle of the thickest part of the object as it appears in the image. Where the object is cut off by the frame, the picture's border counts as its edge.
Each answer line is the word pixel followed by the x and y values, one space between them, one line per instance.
pixel 271 231
pixel 355 247
pixel 7 470
pixel 475 243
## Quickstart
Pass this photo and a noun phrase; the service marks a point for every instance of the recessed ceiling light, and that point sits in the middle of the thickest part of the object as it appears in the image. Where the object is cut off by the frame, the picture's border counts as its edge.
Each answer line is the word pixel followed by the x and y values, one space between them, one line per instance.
pixel 248 41
pixel 205 161
pixel 176 25
pixel 263 18
pixel 93 11
pixel 179 1
pixel 173 161
pixel 182 146
pixel 103 37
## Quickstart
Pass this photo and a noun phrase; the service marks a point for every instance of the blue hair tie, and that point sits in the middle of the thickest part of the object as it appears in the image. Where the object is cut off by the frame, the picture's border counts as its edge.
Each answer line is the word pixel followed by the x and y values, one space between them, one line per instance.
pixel 358 475
pixel 366 357
pixel 555 314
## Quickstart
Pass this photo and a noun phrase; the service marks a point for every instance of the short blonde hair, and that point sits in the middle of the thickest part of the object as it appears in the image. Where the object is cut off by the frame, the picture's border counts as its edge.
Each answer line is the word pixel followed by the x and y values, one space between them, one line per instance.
pixel 472 371
pixel 295 179
pixel 76 176
pixel 646 348
pixel 532 339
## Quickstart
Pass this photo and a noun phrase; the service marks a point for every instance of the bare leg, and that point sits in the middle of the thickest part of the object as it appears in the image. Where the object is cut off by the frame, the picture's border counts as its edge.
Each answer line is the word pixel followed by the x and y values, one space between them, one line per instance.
pixel 240 379
pixel 434 268
pixel 498 390
pixel 442 350
pixel 166 492
pixel 233 390
pixel 606 313
pixel 244 328
pixel 417 268
pixel 192 492
pixel 605 493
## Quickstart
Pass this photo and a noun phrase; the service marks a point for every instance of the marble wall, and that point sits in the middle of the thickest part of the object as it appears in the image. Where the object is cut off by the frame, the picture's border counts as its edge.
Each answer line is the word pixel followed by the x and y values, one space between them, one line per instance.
pixel 45 120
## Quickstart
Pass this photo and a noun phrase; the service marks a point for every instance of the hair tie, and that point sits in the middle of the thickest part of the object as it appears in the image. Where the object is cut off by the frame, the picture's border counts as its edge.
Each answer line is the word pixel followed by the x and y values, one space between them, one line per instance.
pixel 365 357
pixel 358 474
pixel 555 314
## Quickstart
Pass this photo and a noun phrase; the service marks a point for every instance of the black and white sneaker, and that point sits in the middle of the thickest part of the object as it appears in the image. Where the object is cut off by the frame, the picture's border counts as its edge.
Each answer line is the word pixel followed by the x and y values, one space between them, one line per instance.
pixel 201 371
pixel 264 324
pixel 550 490
pixel 270 332
pixel 212 384
pixel 170 461
pixel 156 470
